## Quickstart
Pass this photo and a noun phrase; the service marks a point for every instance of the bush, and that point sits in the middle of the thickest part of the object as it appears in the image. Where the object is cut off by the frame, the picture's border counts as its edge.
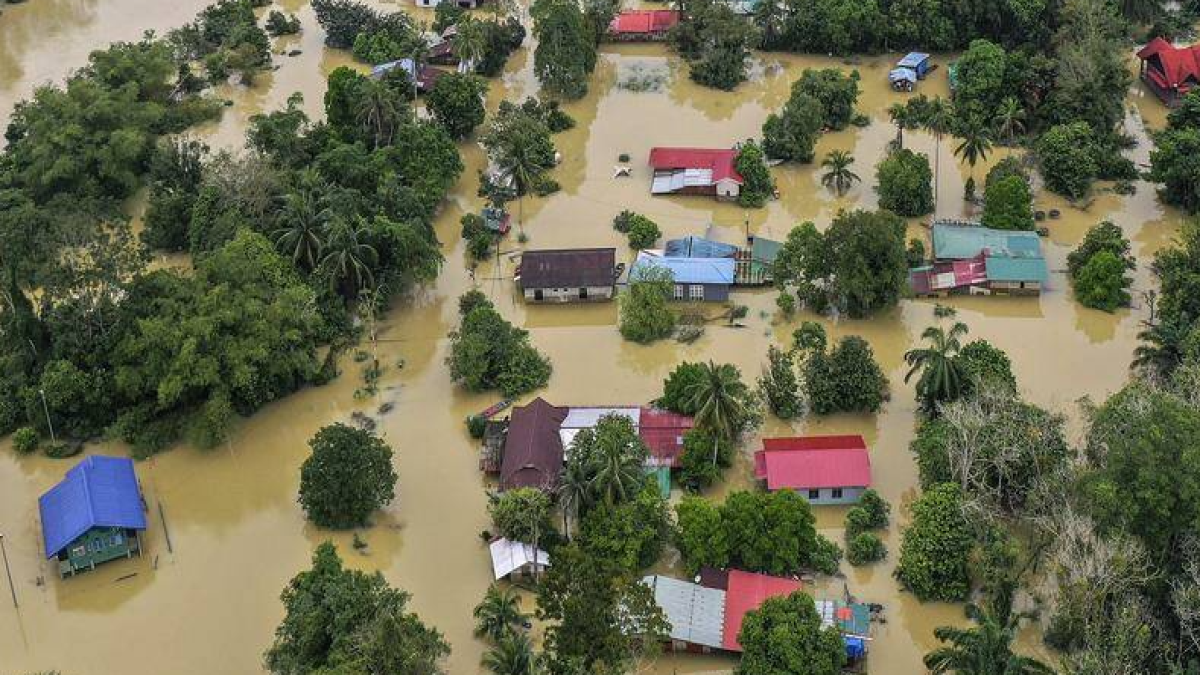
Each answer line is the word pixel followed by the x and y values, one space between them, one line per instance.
pixel 487 352
pixel 348 476
pixel 25 440
pixel 780 386
pixel 871 513
pixel 847 379
pixel 826 556
pixel 63 449
pixel 1005 168
pixel 757 185
pixel 697 469
pixel 1008 205
pixel 677 388
pixel 865 548
pixel 792 134
pixel 645 315
pixel 642 232
pixel 905 183
pixel 1067 159
pixel 836 91
pixel 456 102
pixel 936 547
pixel 1097 268
pixel 279 23
pixel 476 425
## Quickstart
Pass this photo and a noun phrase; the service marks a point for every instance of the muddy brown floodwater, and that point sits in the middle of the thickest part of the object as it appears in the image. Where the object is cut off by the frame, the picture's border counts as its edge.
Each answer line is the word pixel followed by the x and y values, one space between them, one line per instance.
pixel 209 602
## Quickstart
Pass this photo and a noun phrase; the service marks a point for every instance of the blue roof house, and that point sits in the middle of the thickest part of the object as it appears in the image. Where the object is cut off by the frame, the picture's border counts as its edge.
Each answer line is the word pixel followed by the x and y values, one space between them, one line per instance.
pixel 1013 260
pixel 93 515
pixel 696 279
pixel 698 247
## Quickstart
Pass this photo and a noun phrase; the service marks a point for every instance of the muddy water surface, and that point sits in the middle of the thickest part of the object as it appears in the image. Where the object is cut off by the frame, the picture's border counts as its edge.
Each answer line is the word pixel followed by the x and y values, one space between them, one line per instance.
pixel 205 601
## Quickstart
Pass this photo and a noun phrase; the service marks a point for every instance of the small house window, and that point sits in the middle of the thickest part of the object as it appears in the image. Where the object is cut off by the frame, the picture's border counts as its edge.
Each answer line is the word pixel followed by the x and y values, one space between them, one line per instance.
pixel 814 494
pixel 678 291
pixel 696 292
pixel 837 493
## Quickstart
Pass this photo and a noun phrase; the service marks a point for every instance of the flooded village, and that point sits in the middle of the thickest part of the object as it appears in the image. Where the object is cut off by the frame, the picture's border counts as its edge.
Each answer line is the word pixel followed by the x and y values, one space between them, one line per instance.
pixel 223 532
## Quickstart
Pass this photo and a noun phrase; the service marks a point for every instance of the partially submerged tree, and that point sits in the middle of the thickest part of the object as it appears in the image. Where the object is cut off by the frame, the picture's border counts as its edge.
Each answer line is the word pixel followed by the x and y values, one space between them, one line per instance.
pixel 348 476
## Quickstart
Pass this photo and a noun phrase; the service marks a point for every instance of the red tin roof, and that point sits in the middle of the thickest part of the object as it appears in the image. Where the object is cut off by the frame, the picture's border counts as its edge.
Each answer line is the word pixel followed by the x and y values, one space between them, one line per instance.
pixel 639 21
pixel 813 462
pixel 662 431
pixel 746 591
pixel 721 162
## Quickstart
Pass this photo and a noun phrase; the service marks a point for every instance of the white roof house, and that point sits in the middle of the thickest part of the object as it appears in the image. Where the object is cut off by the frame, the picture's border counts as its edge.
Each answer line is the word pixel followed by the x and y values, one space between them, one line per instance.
pixel 696 613
pixel 512 556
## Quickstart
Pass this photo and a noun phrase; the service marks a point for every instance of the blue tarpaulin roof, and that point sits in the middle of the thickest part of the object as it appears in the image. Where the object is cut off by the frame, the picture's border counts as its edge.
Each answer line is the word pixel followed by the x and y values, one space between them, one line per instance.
pixel 686 270
pixel 913 60
pixel 98 492
pixel 699 247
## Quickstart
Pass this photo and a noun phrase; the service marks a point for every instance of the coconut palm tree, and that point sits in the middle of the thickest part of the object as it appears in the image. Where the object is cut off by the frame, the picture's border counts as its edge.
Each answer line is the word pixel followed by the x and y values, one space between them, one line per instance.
pixel 511 655
pixel 939 117
pixel 498 614
pixel 904 117
pixel 1161 350
pixel 304 219
pixel 1010 119
pixel 574 493
pixel 719 399
pixel 985 649
pixel 617 473
pixel 380 111
pixel 942 377
pixel 469 41
pixel 838 175
pixel 349 258
pixel 976 143
pixel 524 165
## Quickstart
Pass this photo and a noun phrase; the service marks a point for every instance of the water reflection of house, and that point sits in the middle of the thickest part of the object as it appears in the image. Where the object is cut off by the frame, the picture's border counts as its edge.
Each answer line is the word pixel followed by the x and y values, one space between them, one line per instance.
pixel 825 469
pixel 1170 71
pixel 539 434
pixel 707 616
pixel 637 25
pixel 696 279
pixel 695 171
pixel 93 515
pixel 568 275
pixel 968 258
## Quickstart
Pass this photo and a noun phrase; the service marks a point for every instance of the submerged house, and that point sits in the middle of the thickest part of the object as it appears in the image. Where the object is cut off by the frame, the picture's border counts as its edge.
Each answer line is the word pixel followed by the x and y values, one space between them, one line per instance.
pixel 695 171
pixel 1170 71
pixel 696 279
pixel 637 25
pixel 93 515
pixel 824 469
pixel 568 275
pixel 514 560
pixel 424 77
pixel 968 258
pixel 539 435
pixel 707 616
pixel 753 263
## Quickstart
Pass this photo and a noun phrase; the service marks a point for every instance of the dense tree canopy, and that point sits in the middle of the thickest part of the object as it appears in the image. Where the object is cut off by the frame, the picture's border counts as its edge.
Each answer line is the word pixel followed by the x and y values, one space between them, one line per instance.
pixel 845 379
pixel 716 42
pixel 456 102
pixel 785 636
pixel 1008 204
pixel 487 352
pixel 566 47
pixel 935 547
pixel 346 621
pixel 348 476
pixel 905 183
pixel 645 315
pixel 1175 160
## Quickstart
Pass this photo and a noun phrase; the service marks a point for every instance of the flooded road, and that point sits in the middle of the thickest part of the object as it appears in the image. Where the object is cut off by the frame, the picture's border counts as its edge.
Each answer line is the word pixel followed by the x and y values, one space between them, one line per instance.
pixel 207 602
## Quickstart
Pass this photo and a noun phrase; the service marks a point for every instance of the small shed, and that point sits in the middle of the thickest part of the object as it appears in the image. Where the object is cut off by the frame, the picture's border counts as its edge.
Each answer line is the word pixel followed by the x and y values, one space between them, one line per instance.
pixel 93 515
pixel 568 275
pixel 902 79
pixel 917 62
pixel 696 279
pixel 824 469
pixel 512 559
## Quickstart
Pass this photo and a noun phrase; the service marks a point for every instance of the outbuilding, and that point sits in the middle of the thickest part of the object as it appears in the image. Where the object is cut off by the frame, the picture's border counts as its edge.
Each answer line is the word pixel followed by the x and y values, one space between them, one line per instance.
pixel 514 560
pixel 695 171
pixel 93 515
pixel 568 275
pixel 695 279
pixel 1170 71
pixel 824 469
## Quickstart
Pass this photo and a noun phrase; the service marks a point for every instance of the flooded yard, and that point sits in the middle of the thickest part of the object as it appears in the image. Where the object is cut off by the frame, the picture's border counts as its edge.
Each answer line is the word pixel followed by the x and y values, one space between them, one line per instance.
pixel 226 532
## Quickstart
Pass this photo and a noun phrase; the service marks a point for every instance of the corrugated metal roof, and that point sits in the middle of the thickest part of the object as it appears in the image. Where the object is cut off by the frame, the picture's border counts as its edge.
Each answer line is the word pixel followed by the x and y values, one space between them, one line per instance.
pixel 687 270
pixel 825 442
pixel 663 431
pixel 1016 269
pixel 813 469
pixel 568 268
pixel 719 161
pixel 533 452
pixel 957 242
pixel 912 60
pixel 638 21
pixel 901 75
pixel 698 247
pixel 696 613
pixel 97 492
pixel 765 250
pixel 508 556
pixel 747 591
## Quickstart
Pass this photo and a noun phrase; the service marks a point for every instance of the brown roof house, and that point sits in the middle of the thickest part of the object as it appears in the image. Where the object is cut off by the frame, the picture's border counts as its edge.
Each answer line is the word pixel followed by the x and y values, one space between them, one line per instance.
pixel 533 451
pixel 568 275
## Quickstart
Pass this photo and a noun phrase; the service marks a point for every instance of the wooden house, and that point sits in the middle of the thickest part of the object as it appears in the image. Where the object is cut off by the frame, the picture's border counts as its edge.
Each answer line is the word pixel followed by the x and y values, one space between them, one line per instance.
pixel 93 515
pixel 568 275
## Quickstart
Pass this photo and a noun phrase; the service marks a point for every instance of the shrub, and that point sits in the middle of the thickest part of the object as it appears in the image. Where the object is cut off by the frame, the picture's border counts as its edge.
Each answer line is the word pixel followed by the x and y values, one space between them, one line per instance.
pixel 757 184
pixel 865 548
pixel 1067 159
pixel 847 379
pixel 1008 205
pixel 279 23
pixel 936 547
pixel 522 514
pixel 25 440
pixel 642 232
pixel 825 556
pixel 476 425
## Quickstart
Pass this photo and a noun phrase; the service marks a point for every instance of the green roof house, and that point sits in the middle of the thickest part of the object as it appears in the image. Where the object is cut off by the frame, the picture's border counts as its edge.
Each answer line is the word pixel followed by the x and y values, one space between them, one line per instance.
pixel 1012 259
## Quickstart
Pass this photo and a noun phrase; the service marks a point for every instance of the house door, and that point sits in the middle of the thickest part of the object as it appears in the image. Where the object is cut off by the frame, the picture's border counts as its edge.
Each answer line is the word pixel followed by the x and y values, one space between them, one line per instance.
pixel 583 294
pixel 537 295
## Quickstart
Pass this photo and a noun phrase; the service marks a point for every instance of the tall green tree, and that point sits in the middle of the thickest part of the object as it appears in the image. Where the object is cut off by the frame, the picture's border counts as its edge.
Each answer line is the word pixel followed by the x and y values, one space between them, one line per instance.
pixel 984 649
pixel 785 635
pixel 349 258
pixel 499 614
pixel 942 378
pixel 566 49
pixel 837 175
pixel 721 400
pixel 976 142
pixel 456 102
pixel 348 476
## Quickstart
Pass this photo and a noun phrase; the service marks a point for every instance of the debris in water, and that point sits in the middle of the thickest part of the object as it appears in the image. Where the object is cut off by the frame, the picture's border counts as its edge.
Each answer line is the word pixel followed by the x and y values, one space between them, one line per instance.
pixel 295 52
pixel 362 421
pixel 386 408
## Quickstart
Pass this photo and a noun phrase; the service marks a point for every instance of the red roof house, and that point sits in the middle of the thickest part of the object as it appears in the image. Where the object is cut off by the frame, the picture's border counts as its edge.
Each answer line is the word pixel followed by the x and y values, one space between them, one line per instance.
pixel 825 469
pixel 746 591
pixel 699 171
pixel 662 431
pixel 1169 70
pixel 643 24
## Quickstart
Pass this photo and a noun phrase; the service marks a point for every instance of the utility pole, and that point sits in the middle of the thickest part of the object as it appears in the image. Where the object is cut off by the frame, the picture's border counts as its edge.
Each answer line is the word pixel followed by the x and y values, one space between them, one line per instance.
pixel 8 572
pixel 46 409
